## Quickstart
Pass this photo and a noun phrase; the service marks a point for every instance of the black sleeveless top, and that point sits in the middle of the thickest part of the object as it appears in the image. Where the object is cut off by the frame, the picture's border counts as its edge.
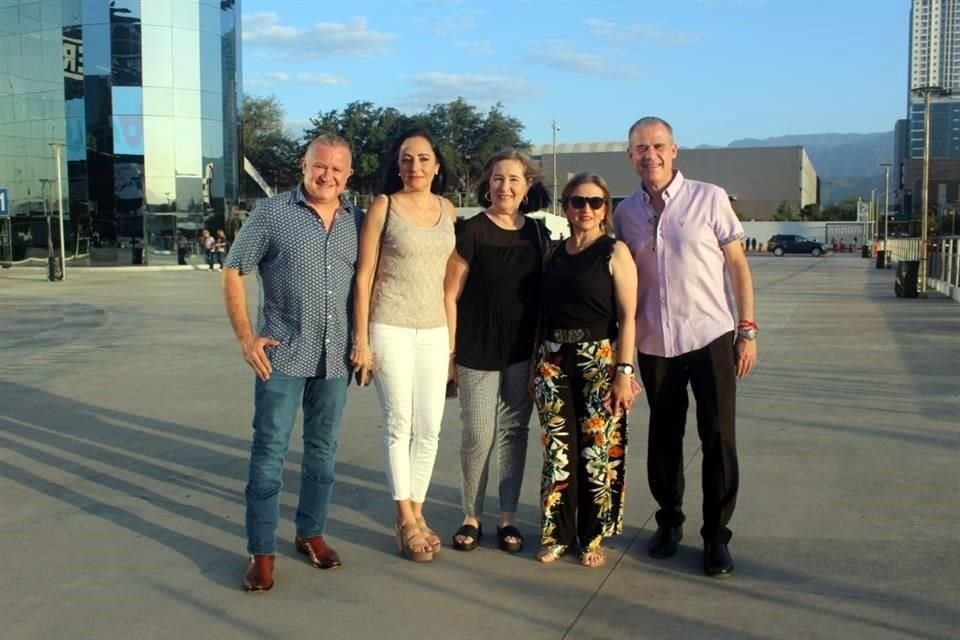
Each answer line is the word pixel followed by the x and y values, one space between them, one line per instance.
pixel 577 291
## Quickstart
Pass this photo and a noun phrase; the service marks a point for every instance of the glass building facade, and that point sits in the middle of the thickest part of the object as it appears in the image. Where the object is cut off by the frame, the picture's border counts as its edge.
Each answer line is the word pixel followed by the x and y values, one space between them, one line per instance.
pixel 144 97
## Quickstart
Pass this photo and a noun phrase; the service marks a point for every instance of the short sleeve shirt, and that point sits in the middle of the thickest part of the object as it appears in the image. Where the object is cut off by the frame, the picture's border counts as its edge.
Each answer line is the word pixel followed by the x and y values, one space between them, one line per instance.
pixel 305 274
pixel 682 301
pixel 497 310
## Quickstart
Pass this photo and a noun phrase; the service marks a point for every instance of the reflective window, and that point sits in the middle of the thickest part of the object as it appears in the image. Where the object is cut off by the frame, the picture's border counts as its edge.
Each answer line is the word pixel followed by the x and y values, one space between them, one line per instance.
pixel 127 100
pixel 157 55
pixel 125 48
pixel 185 14
pixel 186 104
pixel 158 146
pixel 154 12
pixel 186 52
pixel 157 101
pixel 96 49
pixel 128 135
pixel 188 139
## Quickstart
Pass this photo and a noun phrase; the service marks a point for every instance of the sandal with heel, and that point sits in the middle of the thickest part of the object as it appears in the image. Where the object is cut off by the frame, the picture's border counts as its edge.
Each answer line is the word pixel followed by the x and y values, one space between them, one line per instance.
pixel 509 531
pixel 409 537
pixel 432 538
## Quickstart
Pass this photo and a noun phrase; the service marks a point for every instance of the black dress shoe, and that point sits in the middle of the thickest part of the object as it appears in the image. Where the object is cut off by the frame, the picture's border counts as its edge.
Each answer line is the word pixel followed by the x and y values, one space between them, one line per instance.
pixel 717 562
pixel 663 543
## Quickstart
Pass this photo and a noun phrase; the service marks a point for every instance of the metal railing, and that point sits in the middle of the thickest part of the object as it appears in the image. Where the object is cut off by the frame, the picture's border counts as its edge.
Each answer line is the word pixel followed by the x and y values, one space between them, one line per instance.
pixel 943 261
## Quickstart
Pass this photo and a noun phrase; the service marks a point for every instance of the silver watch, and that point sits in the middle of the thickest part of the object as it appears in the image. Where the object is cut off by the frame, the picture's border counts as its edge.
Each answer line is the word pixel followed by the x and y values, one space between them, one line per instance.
pixel 747 334
pixel 625 368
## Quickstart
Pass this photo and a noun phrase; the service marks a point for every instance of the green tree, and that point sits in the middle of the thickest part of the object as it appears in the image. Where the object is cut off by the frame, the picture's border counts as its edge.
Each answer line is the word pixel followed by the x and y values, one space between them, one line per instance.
pixel 466 137
pixel 275 155
pixel 784 212
pixel 840 211
pixel 368 129
pixel 810 212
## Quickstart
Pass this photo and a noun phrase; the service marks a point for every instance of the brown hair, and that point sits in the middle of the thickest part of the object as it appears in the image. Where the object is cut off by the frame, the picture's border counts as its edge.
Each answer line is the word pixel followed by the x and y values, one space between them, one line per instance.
pixel 586 177
pixel 537 198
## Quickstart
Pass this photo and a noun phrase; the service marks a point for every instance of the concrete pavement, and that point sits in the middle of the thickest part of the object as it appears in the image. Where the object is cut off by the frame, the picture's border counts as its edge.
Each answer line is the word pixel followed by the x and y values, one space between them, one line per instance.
pixel 124 432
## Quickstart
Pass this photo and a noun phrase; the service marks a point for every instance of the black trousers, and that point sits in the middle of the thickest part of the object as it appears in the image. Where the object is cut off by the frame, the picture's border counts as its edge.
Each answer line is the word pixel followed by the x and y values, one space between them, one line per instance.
pixel 711 374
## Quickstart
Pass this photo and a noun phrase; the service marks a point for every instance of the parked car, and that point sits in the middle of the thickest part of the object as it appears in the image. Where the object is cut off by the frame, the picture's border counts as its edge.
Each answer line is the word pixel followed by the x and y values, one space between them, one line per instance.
pixel 781 244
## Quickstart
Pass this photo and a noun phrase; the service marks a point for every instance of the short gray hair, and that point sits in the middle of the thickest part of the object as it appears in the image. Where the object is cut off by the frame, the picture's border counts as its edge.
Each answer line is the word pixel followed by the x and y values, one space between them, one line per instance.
pixel 647 121
pixel 329 140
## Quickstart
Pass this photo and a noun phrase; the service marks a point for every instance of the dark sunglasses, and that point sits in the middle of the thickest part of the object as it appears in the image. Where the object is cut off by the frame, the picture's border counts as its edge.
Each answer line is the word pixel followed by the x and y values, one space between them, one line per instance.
pixel 579 202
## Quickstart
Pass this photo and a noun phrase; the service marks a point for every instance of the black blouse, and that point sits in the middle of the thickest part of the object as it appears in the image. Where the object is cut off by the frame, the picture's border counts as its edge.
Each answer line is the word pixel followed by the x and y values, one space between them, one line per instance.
pixel 497 311
pixel 578 291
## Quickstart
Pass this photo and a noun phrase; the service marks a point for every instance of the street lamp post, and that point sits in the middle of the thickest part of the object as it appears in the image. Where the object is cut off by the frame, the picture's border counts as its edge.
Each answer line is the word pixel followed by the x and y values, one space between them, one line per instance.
pixel 886 210
pixel 57 148
pixel 927 93
pixel 555 129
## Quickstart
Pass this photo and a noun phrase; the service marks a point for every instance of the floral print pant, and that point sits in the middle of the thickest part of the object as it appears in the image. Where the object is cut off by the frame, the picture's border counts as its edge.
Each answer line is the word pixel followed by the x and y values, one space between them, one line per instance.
pixel 584 445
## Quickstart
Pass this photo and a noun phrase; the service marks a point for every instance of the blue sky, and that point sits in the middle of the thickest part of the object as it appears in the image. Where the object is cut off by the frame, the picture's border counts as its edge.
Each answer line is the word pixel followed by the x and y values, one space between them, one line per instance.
pixel 718 70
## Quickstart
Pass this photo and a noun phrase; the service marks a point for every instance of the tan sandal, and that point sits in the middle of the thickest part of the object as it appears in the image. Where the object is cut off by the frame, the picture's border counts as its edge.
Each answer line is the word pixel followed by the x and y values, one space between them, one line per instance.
pixel 409 538
pixel 432 538
pixel 594 558
pixel 551 553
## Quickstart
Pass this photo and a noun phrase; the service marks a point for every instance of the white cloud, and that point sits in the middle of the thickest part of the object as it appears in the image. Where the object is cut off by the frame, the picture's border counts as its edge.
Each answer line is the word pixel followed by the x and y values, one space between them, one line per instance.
pixel 478 89
pixel 266 79
pixel 563 55
pixel 321 78
pixel 449 26
pixel 320 40
pixel 638 33
pixel 476 47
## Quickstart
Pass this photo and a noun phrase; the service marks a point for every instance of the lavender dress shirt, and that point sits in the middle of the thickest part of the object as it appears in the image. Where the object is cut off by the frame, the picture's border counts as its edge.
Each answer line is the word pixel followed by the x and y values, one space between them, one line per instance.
pixel 682 302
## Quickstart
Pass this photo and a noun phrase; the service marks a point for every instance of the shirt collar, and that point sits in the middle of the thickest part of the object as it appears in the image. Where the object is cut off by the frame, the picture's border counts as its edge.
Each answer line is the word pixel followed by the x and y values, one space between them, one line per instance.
pixel 671 190
pixel 297 197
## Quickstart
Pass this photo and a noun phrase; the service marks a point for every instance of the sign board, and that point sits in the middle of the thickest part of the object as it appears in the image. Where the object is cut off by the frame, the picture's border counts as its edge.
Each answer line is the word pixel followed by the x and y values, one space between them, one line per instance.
pixel 4 203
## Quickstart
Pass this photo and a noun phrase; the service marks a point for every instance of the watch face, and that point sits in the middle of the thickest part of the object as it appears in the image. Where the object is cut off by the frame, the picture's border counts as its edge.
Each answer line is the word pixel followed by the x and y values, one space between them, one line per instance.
pixel 747 334
pixel 626 369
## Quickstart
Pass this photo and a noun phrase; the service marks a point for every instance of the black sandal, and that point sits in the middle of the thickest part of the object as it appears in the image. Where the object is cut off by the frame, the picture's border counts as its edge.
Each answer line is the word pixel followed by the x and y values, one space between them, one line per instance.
pixel 509 531
pixel 467 531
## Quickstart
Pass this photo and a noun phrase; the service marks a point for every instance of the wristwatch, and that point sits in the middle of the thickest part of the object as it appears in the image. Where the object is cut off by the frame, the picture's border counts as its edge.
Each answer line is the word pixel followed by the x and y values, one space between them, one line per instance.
pixel 624 367
pixel 747 333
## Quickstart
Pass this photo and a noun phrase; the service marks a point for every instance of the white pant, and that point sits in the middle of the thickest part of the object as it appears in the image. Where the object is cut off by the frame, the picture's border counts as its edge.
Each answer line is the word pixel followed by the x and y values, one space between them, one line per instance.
pixel 410 372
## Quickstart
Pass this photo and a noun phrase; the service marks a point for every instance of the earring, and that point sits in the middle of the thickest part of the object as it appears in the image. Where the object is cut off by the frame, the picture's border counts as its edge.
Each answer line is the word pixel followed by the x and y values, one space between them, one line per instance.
pixel 486 196
pixel 526 200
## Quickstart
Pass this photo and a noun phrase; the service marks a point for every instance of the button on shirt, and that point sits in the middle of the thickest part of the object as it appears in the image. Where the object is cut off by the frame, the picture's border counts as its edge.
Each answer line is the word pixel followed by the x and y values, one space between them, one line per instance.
pixel 305 274
pixel 682 303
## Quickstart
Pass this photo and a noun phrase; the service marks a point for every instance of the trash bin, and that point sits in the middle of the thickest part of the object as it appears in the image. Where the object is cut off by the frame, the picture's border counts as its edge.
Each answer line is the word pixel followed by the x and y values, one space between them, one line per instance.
pixel 137 255
pixel 54 271
pixel 881 259
pixel 906 283
pixel 865 251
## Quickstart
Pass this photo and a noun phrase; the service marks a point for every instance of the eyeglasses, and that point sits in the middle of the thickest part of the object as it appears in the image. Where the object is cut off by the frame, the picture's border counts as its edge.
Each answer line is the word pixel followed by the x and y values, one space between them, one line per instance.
pixel 579 202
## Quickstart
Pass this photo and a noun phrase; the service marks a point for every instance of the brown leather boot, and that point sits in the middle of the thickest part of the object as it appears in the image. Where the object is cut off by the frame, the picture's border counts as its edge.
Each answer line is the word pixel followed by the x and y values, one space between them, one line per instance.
pixel 321 554
pixel 259 576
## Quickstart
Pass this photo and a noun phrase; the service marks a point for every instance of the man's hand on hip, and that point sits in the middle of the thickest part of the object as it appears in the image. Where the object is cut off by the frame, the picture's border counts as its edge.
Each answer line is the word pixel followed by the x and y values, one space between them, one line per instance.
pixel 256 357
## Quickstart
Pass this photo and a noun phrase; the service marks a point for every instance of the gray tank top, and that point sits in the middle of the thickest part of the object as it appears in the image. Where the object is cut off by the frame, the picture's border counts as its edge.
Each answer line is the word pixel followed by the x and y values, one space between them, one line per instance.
pixel 413 261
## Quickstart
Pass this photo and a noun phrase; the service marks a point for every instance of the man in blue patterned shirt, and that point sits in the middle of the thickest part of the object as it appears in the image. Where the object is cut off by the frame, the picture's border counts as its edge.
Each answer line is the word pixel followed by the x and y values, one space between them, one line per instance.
pixel 303 247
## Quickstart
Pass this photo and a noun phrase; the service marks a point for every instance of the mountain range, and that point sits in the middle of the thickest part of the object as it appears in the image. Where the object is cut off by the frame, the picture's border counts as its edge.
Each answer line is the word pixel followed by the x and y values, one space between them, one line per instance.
pixel 848 164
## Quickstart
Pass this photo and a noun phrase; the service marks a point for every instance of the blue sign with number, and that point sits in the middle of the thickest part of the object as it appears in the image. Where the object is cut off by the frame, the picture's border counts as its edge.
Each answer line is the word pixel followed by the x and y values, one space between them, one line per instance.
pixel 4 203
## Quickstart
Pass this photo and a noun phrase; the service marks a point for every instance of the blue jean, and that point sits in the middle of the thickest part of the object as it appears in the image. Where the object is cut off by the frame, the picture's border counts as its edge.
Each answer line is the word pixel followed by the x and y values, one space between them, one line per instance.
pixel 276 402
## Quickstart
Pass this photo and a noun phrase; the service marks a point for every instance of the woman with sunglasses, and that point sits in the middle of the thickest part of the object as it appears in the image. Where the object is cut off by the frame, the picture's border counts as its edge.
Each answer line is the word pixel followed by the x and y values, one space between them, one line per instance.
pixel 492 297
pixel 400 321
pixel 584 379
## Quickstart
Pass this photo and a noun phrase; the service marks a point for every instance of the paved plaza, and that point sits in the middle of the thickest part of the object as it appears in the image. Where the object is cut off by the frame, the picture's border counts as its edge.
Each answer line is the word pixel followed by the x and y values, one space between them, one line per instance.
pixel 125 412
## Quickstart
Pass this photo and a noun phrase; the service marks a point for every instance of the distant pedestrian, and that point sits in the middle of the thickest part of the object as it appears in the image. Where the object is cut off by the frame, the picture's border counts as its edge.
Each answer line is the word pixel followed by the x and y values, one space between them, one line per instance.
pixel 208 243
pixel 684 235
pixel 183 246
pixel 753 244
pixel 220 248
pixel 303 247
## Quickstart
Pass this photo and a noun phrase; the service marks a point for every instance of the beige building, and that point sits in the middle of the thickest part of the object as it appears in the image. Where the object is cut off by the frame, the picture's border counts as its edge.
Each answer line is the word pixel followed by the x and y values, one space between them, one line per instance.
pixel 758 179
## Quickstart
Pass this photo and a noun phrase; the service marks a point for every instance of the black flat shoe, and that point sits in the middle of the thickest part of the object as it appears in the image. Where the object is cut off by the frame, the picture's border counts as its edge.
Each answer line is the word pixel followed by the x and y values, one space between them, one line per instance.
pixel 717 561
pixel 509 531
pixel 467 531
pixel 663 543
